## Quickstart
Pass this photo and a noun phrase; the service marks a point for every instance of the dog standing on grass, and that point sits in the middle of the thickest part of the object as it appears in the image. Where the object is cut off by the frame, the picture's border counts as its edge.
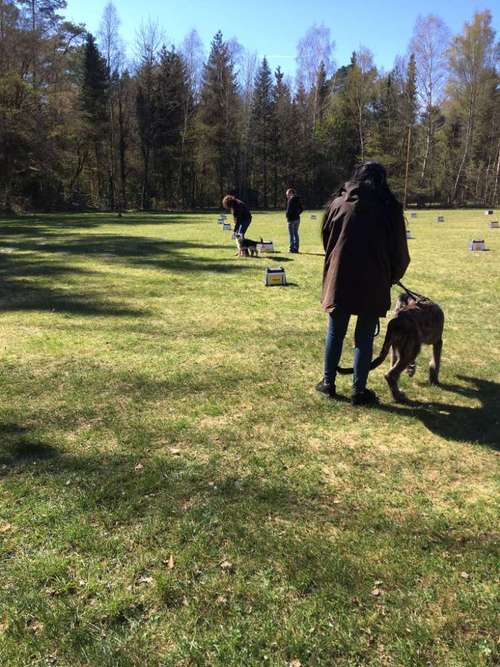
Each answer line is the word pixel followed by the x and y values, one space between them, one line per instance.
pixel 417 321
pixel 246 247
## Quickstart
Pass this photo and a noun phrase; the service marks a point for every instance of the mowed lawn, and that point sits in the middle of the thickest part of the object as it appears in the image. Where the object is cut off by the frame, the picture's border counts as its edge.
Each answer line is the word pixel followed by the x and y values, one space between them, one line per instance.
pixel 174 492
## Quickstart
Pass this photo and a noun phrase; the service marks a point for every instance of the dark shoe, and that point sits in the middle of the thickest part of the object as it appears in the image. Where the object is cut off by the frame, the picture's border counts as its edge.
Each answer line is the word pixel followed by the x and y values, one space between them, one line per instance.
pixel 366 397
pixel 326 389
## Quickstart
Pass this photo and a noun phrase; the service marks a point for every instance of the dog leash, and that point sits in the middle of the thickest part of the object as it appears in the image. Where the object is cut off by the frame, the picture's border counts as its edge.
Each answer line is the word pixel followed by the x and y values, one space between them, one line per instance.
pixel 415 295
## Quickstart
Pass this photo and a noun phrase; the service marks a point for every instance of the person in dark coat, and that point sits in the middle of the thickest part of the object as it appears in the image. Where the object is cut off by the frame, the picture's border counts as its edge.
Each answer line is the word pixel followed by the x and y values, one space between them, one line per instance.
pixel 366 252
pixel 241 213
pixel 293 210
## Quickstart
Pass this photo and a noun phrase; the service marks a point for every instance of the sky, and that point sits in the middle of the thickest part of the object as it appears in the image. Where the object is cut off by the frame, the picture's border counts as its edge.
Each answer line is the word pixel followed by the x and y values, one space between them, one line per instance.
pixel 273 27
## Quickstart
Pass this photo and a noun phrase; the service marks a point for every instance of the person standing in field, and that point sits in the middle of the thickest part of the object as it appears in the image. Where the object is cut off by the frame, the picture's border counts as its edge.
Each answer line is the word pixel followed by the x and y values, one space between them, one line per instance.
pixel 366 252
pixel 293 210
pixel 241 213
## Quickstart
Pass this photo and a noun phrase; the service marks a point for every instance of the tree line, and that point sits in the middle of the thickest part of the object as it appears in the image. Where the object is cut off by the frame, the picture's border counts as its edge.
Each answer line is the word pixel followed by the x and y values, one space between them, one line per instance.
pixel 80 127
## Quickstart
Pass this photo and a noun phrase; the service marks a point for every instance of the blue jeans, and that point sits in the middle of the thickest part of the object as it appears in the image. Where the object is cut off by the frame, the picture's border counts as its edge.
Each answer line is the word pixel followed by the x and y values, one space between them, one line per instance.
pixel 241 228
pixel 293 233
pixel 338 322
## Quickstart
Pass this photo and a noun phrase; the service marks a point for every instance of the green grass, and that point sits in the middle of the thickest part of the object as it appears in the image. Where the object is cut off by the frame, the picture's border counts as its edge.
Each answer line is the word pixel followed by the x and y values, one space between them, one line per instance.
pixel 173 492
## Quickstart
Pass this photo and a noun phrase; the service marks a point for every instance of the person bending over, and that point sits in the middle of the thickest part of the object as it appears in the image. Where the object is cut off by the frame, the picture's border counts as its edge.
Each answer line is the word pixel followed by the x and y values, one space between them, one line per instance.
pixel 293 210
pixel 241 213
pixel 366 251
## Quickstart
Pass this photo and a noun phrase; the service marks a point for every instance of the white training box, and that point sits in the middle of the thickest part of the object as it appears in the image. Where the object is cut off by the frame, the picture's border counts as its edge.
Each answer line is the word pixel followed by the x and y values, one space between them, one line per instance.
pixel 413 214
pixel 265 246
pixel 275 276
pixel 226 226
pixel 477 244
pixel 489 212
pixel 494 224
pixel 408 234
pixel 314 216
pixel 440 218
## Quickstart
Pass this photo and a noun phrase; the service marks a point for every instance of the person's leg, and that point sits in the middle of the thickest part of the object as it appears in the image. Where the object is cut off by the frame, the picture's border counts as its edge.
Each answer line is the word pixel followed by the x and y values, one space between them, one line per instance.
pixel 363 350
pixel 338 322
pixel 296 237
pixel 290 236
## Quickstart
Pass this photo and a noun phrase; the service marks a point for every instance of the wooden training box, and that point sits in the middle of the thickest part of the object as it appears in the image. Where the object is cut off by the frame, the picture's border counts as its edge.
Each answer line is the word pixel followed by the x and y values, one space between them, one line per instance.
pixel 477 244
pixel 440 218
pixel 314 216
pixel 408 234
pixel 494 224
pixel 265 246
pixel 413 214
pixel 489 212
pixel 275 276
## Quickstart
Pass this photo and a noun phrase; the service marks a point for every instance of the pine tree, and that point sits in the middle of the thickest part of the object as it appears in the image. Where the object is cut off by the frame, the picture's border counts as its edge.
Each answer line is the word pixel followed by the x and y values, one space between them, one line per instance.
pixel 218 140
pixel 171 92
pixel 94 102
pixel 409 115
pixel 282 134
pixel 321 91
pixel 261 127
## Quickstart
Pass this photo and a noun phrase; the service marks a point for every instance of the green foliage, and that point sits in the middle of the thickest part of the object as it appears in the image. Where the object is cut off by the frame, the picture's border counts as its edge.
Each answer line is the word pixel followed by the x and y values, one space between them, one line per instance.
pixel 218 139
pixel 261 127
pixel 94 87
pixel 76 131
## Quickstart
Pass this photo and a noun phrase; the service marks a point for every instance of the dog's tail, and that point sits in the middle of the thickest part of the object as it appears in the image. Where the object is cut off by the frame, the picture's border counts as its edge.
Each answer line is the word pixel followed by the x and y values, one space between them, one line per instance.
pixel 386 346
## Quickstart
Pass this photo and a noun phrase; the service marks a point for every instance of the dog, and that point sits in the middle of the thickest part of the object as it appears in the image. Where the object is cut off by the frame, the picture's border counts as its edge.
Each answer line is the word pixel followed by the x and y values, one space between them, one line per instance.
pixel 417 321
pixel 246 247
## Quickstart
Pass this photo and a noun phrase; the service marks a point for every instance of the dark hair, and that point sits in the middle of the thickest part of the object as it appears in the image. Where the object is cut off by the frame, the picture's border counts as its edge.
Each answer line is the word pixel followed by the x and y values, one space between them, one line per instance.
pixel 229 201
pixel 372 176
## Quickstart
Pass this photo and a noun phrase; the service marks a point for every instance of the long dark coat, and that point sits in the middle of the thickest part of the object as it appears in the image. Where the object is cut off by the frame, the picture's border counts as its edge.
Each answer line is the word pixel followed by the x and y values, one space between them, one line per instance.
pixel 366 251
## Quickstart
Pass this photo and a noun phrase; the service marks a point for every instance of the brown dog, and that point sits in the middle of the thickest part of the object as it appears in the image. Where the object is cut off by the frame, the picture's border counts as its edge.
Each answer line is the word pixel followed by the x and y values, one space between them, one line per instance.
pixel 417 320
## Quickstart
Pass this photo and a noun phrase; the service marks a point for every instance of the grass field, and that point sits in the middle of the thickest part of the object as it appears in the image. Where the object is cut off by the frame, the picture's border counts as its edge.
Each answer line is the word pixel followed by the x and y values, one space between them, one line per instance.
pixel 173 491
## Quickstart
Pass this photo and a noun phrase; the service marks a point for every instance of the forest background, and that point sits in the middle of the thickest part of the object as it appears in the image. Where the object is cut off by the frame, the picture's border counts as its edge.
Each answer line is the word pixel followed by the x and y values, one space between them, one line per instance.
pixel 83 126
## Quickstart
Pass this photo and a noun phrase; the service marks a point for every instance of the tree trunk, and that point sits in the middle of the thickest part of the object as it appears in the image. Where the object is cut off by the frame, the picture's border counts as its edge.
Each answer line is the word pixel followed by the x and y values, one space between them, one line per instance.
pixel 121 153
pixel 428 144
pixel 497 174
pixel 407 170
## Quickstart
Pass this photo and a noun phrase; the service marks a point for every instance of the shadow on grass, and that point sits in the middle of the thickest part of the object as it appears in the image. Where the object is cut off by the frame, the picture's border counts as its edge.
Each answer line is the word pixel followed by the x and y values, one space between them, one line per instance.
pixel 17 446
pixel 29 252
pixel 480 425
pixel 94 220
pixel 20 290
pixel 133 250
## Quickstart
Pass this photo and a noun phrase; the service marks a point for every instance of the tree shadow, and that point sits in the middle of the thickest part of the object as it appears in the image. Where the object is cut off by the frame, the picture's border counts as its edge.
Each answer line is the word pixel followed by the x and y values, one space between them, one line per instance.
pixel 133 250
pixel 20 292
pixel 95 220
pixel 17 447
pixel 461 423
pixel 29 252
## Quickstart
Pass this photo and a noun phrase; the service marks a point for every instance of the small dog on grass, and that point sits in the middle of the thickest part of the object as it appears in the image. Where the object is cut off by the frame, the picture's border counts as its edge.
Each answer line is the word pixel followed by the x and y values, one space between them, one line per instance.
pixel 246 247
pixel 417 320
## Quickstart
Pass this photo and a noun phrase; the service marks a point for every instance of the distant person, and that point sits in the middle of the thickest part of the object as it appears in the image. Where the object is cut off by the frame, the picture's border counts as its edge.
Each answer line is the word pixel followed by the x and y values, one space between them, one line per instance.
pixel 241 213
pixel 366 251
pixel 293 210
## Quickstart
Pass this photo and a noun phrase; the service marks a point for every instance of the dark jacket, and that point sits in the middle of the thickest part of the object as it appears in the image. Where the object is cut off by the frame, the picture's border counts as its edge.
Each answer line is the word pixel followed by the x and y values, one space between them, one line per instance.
pixel 366 251
pixel 293 208
pixel 241 213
